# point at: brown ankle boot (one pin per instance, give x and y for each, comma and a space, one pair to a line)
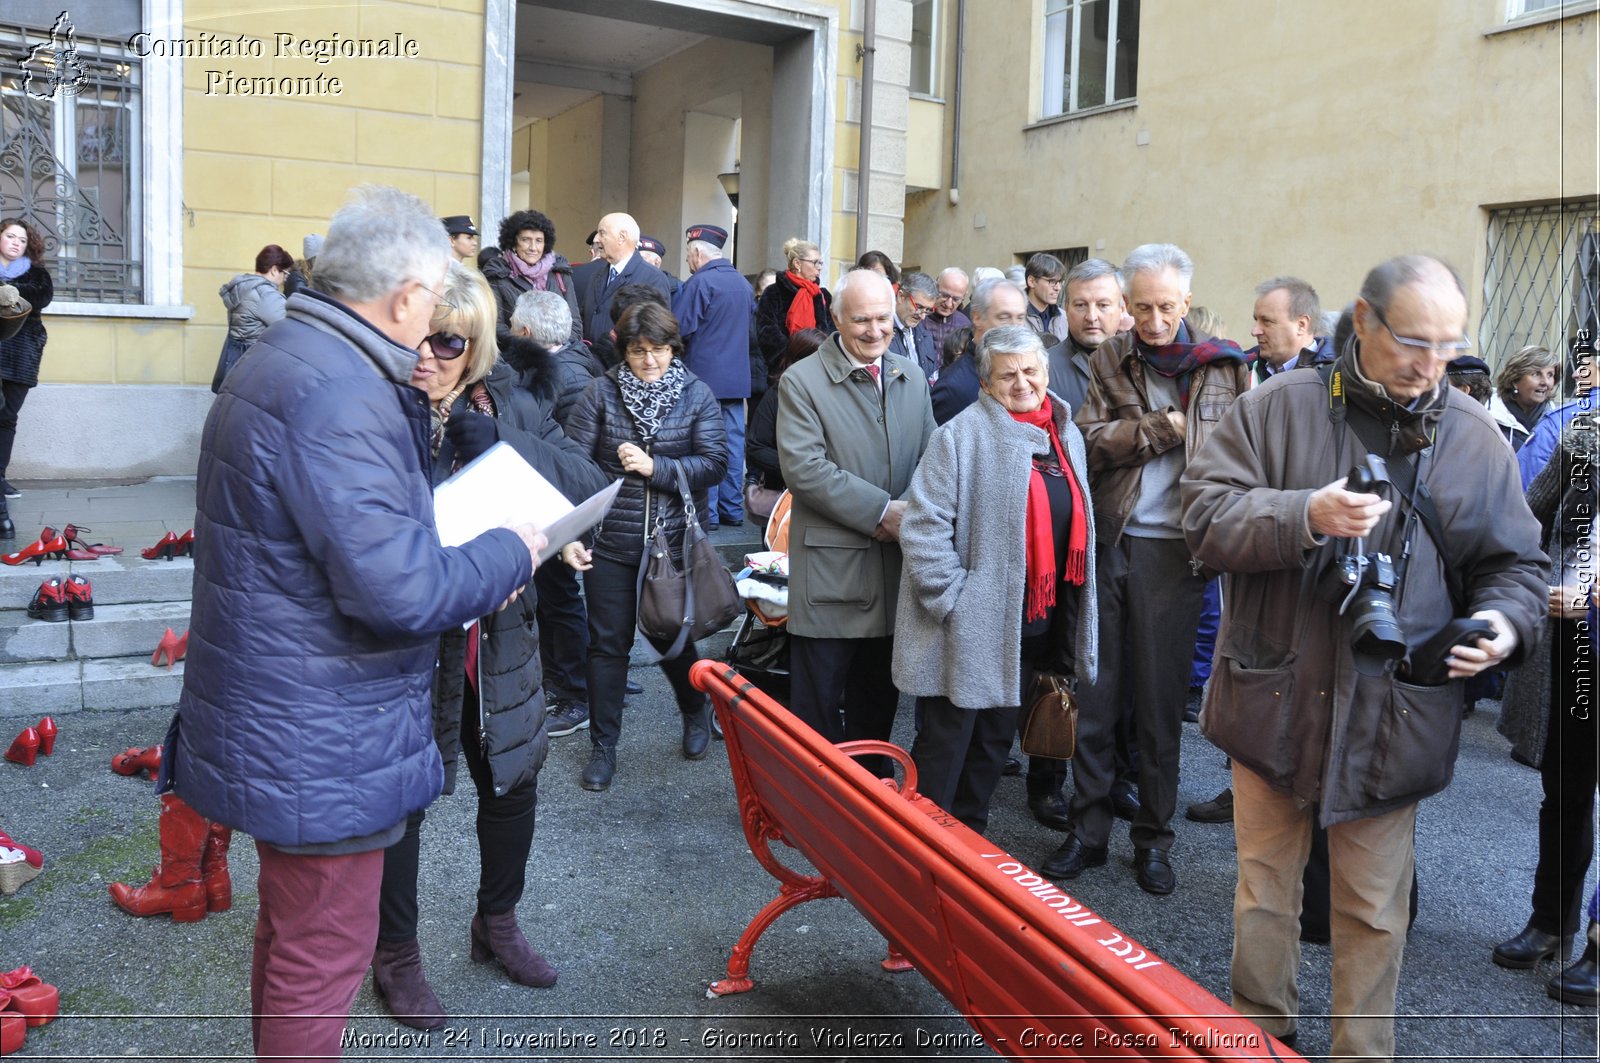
214, 869
498, 937
175, 886
397, 975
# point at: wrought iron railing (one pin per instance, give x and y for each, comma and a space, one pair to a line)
71, 157
1541, 281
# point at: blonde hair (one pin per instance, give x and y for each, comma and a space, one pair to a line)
468, 309
795, 249
1210, 323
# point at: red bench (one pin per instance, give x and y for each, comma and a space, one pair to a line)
1034, 971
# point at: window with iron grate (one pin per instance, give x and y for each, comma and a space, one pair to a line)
1541, 281
71, 146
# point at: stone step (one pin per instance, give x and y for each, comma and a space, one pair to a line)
115, 631
126, 630
116, 580
62, 687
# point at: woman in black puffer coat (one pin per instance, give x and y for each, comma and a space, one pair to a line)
643, 421
488, 699
21, 248
526, 261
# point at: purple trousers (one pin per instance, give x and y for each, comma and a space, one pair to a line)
315, 932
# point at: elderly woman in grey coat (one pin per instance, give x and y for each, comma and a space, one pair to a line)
998, 579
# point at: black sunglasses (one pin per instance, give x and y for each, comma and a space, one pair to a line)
447, 347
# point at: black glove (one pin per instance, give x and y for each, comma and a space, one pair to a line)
471, 433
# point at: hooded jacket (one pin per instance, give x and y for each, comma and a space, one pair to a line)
1285, 698
253, 303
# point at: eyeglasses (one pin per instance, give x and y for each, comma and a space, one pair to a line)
436, 295
1450, 348
946, 297
447, 347
639, 353
808, 261
918, 310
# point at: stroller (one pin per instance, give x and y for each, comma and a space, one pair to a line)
760, 646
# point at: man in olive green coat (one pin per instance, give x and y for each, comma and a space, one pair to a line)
852, 424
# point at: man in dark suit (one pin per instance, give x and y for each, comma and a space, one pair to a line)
912, 304
1094, 314
617, 237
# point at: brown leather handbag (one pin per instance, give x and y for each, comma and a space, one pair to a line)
683, 602
1050, 728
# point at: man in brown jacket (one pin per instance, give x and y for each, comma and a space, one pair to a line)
1154, 395
1309, 718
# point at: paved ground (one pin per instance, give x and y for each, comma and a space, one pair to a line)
637, 894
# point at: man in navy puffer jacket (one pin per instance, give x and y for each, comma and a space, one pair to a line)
320, 590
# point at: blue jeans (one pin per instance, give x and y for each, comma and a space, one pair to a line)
726, 499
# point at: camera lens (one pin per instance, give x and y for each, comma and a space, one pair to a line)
1375, 633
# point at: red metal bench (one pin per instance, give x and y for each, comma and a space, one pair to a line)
1034, 971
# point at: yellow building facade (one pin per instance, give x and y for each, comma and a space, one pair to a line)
1264, 136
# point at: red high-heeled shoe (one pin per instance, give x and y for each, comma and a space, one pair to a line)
172, 647
24, 748
13, 1028
35, 999
49, 544
74, 534
13, 873
47, 735
184, 547
163, 547
134, 760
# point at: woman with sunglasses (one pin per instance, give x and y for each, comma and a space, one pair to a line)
644, 421
793, 302
488, 703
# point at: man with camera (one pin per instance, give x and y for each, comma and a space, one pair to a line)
1352, 610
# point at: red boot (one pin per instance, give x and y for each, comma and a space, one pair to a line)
175, 887
214, 869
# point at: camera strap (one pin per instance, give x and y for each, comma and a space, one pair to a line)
1406, 475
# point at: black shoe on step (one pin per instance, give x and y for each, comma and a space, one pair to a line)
696, 732
1580, 983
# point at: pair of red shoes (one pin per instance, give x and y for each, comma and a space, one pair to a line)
16, 870
170, 546
134, 760
63, 545
60, 599
27, 746
24, 1001
172, 647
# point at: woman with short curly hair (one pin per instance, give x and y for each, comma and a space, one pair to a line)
526, 261
1522, 392
21, 250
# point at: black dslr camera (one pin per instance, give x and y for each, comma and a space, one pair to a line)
1363, 585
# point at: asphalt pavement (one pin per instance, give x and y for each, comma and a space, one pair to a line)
637, 894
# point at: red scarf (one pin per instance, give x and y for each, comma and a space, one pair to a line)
803, 311
1041, 553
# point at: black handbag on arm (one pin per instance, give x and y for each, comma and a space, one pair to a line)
688, 600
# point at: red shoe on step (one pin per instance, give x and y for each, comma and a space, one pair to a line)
49, 544
166, 546
172, 647
74, 535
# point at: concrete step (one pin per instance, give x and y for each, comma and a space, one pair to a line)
26, 640
130, 683
126, 630
116, 580
62, 687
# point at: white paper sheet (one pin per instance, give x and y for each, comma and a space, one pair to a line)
501, 488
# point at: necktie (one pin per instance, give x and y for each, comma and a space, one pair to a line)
873, 369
